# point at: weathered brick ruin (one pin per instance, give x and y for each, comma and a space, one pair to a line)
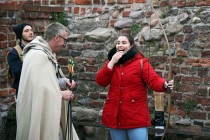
94, 26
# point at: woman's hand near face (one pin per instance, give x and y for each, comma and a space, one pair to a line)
115, 59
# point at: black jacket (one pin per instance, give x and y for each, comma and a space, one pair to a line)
15, 66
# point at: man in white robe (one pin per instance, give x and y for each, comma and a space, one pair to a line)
41, 104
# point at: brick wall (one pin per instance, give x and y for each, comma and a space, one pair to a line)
39, 14
36, 13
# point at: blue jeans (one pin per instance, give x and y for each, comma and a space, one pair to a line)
129, 134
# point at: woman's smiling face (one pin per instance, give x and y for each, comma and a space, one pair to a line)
123, 44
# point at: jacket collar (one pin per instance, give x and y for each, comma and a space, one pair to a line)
127, 56
22, 45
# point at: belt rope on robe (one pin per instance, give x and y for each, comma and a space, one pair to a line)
69, 115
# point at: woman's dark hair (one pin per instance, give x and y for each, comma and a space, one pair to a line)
131, 41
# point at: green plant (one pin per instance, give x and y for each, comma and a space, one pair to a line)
151, 48
176, 86
152, 112
12, 111
135, 28
189, 105
155, 64
180, 60
60, 17
163, 15
151, 43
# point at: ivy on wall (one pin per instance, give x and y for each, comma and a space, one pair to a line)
60, 17
189, 105
135, 28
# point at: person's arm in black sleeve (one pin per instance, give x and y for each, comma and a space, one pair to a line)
15, 63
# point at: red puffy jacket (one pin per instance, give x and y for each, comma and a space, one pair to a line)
126, 103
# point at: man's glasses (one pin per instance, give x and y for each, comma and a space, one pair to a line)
65, 40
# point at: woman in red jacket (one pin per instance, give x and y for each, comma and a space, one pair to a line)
126, 111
